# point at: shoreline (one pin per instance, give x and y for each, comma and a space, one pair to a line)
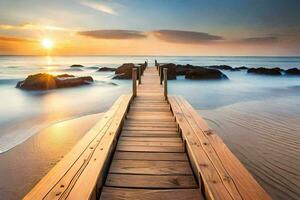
38, 154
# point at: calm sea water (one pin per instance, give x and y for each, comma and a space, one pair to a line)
258, 117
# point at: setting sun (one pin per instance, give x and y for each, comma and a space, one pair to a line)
47, 43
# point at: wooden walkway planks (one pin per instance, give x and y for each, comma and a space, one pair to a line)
150, 161
156, 149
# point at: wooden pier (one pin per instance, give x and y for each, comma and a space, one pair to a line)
149, 145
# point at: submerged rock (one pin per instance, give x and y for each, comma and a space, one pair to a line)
106, 69
43, 81
76, 65
292, 71
265, 71
201, 73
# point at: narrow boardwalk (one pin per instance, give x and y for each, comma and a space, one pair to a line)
150, 161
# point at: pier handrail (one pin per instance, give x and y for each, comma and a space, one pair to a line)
80, 174
220, 174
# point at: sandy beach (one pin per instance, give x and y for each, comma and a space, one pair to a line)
28, 162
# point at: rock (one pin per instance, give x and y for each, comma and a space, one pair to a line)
221, 67
76, 65
182, 69
124, 71
241, 68
171, 70
73, 81
106, 69
292, 71
265, 71
201, 73
65, 76
43, 81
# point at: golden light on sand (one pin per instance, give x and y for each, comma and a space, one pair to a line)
47, 43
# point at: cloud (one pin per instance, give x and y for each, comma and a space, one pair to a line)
15, 39
259, 40
31, 26
114, 34
190, 37
100, 6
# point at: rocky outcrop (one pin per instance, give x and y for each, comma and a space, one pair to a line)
171, 73
43, 81
76, 66
221, 67
182, 69
124, 71
265, 71
241, 68
201, 73
106, 69
293, 71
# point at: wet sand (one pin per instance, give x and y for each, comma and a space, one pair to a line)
23, 166
266, 139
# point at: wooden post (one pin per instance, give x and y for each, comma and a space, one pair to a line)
140, 74
134, 74
166, 83
161, 71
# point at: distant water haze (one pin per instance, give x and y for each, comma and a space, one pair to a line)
257, 116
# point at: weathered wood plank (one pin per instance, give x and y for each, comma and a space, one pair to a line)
119, 155
151, 143
150, 148
110, 193
151, 167
151, 139
151, 181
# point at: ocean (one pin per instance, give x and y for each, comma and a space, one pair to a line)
258, 117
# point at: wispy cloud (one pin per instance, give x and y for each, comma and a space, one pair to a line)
189, 37
15, 39
32, 26
114, 34
99, 6
259, 40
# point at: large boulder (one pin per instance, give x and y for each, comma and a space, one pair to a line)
106, 69
182, 69
171, 73
265, 71
292, 71
125, 71
76, 66
43, 81
201, 73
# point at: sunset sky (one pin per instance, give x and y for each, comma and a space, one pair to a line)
149, 27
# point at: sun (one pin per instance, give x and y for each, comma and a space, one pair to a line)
47, 43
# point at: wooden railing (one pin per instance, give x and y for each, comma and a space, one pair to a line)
80, 174
220, 174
